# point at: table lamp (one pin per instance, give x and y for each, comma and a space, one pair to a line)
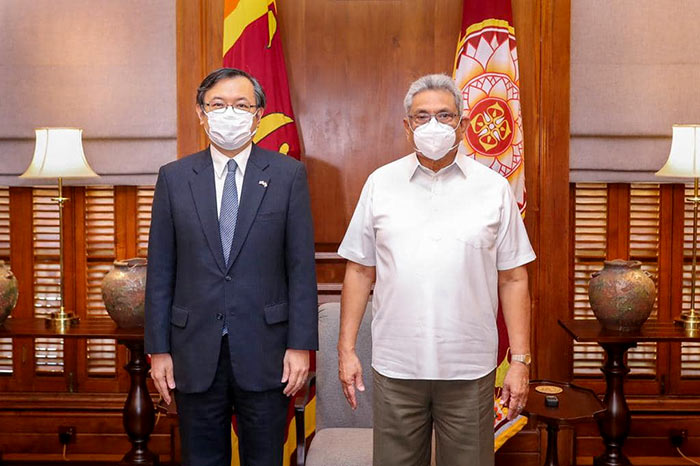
59, 154
684, 162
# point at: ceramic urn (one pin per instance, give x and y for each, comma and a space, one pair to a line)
622, 295
124, 292
9, 292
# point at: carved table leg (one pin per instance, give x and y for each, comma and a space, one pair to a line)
552, 458
139, 413
614, 424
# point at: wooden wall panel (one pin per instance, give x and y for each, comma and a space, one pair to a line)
350, 64
190, 71
526, 18
551, 209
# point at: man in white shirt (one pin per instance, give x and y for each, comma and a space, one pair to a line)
442, 239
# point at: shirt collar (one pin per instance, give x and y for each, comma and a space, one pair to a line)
460, 161
220, 160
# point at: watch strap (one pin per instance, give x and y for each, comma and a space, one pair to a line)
522, 358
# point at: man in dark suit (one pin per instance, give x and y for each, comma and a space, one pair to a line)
231, 304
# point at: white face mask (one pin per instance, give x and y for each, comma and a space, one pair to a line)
230, 130
434, 139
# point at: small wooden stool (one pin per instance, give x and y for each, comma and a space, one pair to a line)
576, 404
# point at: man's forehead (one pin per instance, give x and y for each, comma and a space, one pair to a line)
432, 99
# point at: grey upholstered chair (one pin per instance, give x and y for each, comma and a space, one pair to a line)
343, 436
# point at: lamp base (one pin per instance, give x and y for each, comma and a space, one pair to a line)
61, 320
690, 321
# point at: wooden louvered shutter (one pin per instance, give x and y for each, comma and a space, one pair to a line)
590, 244
144, 199
48, 352
5, 343
644, 247
690, 351
100, 223
100, 254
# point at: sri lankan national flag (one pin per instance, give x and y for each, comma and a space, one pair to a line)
486, 70
252, 44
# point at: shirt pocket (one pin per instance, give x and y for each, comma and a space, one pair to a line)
479, 233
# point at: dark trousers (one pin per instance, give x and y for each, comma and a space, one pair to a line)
205, 421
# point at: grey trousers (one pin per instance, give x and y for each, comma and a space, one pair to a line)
407, 411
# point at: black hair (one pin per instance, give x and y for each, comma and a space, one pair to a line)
227, 73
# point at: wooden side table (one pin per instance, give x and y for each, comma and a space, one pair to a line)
139, 413
614, 424
576, 404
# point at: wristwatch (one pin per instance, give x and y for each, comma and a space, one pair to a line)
522, 358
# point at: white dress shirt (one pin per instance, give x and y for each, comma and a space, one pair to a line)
437, 241
221, 170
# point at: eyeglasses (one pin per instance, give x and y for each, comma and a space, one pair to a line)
442, 117
220, 107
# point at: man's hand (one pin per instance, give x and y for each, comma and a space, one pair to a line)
296, 370
515, 389
162, 374
350, 375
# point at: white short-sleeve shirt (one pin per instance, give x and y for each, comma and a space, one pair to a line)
438, 241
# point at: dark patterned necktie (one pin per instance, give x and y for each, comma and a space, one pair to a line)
229, 210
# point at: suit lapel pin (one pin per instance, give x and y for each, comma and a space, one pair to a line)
263, 183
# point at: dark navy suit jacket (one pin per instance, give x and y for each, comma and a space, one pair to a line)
267, 293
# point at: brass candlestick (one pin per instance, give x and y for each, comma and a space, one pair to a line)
61, 320
691, 319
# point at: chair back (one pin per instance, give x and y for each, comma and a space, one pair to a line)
332, 409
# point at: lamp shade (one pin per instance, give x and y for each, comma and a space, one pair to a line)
684, 159
59, 154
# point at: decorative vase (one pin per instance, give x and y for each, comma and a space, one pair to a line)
124, 292
9, 292
622, 295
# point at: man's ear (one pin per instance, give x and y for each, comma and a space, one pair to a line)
256, 119
407, 128
463, 125
200, 113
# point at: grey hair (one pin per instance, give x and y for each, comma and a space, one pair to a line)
437, 82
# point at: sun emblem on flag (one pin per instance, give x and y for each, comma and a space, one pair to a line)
490, 129
487, 74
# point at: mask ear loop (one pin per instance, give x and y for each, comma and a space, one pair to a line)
455, 131
415, 149
252, 133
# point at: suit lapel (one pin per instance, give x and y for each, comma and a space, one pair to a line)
204, 195
252, 194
